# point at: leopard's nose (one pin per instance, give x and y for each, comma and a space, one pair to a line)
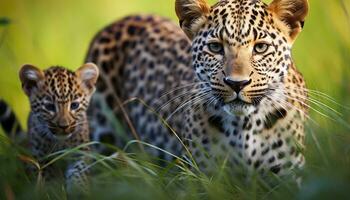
237, 86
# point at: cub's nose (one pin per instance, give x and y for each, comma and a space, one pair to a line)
63, 127
237, 86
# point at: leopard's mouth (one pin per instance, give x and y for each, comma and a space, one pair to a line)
239, 107
239, 102
62, 137
62, 134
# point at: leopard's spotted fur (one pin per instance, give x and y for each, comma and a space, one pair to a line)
240, 99
135, 62
59, 99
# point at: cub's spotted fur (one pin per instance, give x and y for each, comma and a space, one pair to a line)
59, 99
232, 93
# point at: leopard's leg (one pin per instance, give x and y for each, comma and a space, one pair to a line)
77, 176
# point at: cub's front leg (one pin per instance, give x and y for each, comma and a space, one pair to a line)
77, 176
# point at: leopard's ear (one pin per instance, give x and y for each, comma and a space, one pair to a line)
88, 75
292, 13
31, 78
191, 14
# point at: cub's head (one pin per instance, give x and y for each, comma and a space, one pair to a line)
242, 48
58, 96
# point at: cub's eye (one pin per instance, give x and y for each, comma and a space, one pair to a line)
74, 105
261, 48
216, 48
50, 107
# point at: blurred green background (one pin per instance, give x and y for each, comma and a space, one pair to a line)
48, 32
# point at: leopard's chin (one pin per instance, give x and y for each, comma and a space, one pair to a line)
239, 108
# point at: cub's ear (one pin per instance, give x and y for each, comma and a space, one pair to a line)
191, 14
31, 78
292, 13
88, 74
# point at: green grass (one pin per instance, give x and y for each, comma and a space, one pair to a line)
47, 33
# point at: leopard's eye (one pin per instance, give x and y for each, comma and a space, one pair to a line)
216, 47
50, 107
74, 105
261, 48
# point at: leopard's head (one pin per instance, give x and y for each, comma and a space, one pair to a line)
241, 49
59, 97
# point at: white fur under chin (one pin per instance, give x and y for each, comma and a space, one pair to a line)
238, 110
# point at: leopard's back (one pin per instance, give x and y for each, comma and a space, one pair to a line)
145, 57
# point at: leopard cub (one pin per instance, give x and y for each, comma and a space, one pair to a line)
59, 99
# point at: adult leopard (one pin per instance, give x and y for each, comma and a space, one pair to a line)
234, 94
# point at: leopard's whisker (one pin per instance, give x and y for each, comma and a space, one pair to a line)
308, 106
288, 105
199, 98
187, 96
195, 84
321, 105
194, 91
213, 100
318, 94
196, 105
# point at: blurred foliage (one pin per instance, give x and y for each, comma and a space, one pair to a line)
4, 21
47, 32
